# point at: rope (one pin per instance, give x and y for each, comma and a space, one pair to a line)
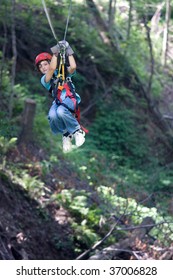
62, 53
49, 20
67, 22
50, 23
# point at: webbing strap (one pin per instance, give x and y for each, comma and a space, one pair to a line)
61, 69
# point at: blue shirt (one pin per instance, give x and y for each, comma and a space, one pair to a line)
63, 93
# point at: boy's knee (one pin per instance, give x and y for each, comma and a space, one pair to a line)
52, 116
60, 111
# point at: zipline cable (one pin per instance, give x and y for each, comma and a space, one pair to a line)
67, 22
50, 23
49, 20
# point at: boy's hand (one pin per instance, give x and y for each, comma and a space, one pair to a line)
62, 45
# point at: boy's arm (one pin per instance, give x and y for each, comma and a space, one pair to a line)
72, 67
52, 68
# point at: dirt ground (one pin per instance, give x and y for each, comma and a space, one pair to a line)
26, 230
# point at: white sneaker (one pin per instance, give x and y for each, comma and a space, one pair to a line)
79, 137
66, 143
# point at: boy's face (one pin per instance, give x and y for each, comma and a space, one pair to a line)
43, 66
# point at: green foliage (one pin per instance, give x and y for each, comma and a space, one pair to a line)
160, 180
5, 89
115, 130
117, 161
5, 127
148, 6
87, 216
32, 184
137, 212
6, 145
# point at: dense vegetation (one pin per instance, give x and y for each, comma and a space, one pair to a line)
123, 173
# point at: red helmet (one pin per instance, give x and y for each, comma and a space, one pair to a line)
42, 56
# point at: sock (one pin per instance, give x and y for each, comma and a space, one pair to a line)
66, 134
76, 131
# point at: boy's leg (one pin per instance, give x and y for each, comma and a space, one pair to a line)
70, 122
72, 126
56, 124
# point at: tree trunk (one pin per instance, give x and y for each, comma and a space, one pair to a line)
26, 134
166, 33
155, 30
14, 58
103, 28
111, 14
130, 19
3, 57
152, 62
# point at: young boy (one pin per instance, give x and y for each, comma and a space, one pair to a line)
60, 116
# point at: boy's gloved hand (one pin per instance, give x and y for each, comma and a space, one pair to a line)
55, 49
60, 46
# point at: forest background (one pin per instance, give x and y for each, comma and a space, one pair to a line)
113, 197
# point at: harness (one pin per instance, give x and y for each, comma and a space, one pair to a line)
57, 86
59, 83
